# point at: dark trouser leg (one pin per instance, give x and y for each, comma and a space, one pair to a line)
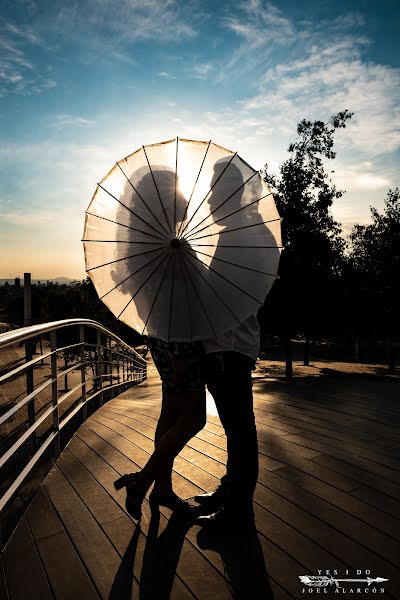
232, 392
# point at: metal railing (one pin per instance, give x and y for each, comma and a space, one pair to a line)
79, 365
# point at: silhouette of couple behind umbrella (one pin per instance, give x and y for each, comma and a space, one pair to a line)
193, 257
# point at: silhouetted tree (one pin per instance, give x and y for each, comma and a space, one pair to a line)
312, 259
375, 263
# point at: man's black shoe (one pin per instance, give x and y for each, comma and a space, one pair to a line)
227, 520
213, 501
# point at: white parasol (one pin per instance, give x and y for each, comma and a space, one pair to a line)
182, 240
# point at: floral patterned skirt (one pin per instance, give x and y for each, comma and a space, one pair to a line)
180, 364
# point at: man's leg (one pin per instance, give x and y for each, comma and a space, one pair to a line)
231, 386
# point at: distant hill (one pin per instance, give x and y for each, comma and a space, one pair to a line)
54, 280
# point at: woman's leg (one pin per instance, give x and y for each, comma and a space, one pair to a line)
168, 418
190, 408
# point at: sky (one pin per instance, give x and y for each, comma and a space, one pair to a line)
85, 83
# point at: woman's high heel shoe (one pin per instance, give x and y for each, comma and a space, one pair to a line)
170, 500
134, 497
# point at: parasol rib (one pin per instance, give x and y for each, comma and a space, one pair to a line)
187, 298
129, 276
125, 258
158, 193
216, 293
208, 193
130, 210
197, 178
158, 291
127, 226
234, 229
193, 230
144, 283
126, 242
171, 298
142, 199
198, 296
176, 179
226, 279
234, 212
228, 262
230, 246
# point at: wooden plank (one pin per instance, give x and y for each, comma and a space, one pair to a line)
62, 564
68, 577
141, 435
244, 563
345, 453
339, 533
102, 506
128, 539
96, 551
304, 426
282, 567
139, 457
211, 558
364, 404
42, 517
305, 551
131, 544
96, 499
386, 526
359, 474
23, 568
381, 501
3, 583
196, 572
122, 464
309, 526
150, 417
319, 472
273, 449
327, 411
278, 440
291, 414
183, 467
189, 453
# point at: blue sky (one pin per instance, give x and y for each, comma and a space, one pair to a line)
83, 84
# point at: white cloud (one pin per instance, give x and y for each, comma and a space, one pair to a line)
28, 218
18, 73
324, 73
165, 75
261, 28
360, 178
123, 57
71, 120
126, 19
201, 71
25, 33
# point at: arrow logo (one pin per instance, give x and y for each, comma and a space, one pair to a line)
324, 580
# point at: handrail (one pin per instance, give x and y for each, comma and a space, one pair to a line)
115, 366
24, 333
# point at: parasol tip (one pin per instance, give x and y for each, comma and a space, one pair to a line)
175, 243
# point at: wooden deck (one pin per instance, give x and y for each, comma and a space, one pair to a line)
327, 498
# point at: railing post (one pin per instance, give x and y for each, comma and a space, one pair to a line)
29, 382
54, 391
124, 372
66, 374
110, 358
118, 363
99, 369
83, 370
